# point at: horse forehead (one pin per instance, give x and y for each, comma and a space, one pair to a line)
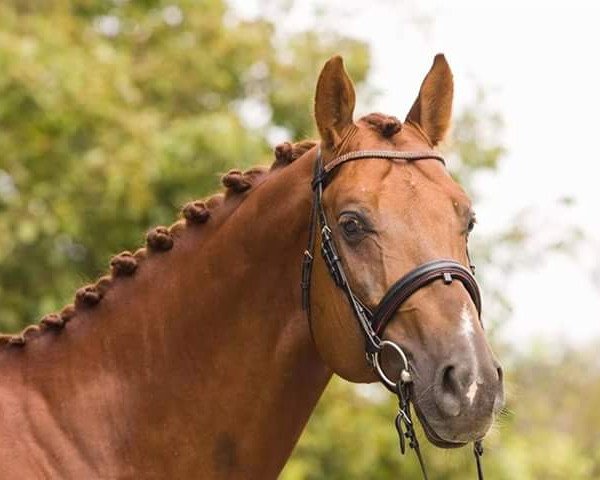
360, 181
400, 178
376, 180
433, 184
382, 182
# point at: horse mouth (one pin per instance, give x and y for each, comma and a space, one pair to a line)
433, 436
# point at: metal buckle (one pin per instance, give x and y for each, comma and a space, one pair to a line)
330, 256
400, 419
405, 375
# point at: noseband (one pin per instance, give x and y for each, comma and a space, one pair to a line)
372, 322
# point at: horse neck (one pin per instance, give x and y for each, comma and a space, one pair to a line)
200, 364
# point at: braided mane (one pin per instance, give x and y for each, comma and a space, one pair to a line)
159, 240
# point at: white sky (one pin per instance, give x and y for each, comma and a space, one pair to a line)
540, 62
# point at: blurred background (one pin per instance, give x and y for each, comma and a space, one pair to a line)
113, 113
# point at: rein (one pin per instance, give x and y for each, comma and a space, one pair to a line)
372, 323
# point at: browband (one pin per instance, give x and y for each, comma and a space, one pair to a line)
385, 154
388, 154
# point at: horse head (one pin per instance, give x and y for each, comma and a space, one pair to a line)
387, 217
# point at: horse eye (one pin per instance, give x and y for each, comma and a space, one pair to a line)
351, 227
471, 225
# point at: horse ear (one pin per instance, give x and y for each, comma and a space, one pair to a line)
433, 107
334, 102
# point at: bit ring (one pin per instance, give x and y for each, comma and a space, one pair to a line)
405, 376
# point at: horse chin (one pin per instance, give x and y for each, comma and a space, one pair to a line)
433, 437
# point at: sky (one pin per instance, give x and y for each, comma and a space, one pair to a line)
538, 62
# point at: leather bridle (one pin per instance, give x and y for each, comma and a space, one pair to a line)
372, 322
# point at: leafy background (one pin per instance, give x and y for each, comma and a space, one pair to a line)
115, 113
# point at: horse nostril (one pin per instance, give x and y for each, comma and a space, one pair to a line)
448, 396
449, 381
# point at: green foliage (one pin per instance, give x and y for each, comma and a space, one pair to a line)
476, 139
114, 114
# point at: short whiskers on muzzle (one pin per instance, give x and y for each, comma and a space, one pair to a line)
502, 419
423, 394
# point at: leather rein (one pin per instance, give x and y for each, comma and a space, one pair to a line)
372, 322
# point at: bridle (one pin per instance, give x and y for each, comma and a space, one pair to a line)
372, 322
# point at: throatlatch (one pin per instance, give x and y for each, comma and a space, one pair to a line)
372, 323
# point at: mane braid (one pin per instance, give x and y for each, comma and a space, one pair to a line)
159, 240
286, 153
386, 125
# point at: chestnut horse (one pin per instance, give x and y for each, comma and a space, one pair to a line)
194, 357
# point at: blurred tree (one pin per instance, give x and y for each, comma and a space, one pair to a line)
113, 114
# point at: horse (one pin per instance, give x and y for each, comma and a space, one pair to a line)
194, 358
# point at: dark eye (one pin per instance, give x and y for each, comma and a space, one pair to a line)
471, 224
352, 227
